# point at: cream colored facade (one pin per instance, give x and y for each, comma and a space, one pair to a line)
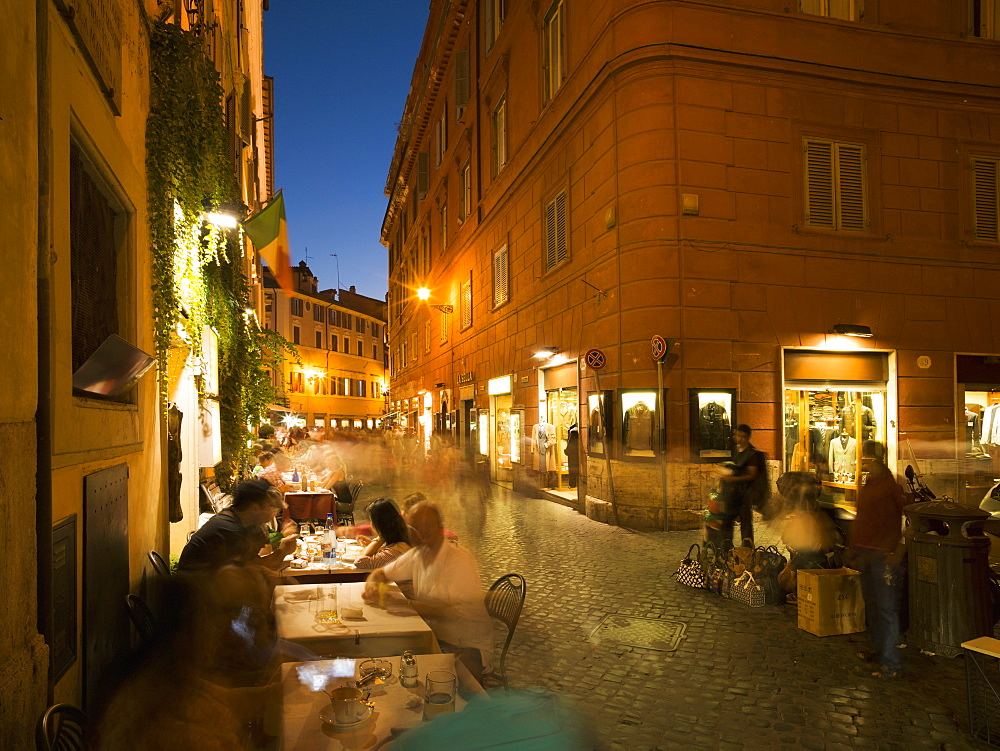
76, 101
341, 381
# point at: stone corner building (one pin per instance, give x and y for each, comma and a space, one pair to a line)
759, 181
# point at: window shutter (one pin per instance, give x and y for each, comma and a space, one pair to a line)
487, 7
466, 304
555, 232
500, 283
851, 203
819, 184
461, 80
246, 112
422, 174
984, 199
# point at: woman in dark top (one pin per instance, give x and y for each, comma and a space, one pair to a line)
392, 536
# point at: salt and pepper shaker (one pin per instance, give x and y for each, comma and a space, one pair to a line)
407, 670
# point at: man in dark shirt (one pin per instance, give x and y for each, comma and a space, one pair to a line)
236, 534
749, 474
877, 544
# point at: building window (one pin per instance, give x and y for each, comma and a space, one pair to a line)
345, 320
845, 10
375, 329
363, 388
374, 351
441, 136
461, 82
318, 313
319, 340
552, 50
983, 17
295, 335
427, 337
361, 348
494, 13
359, 325
95, 232
333, 342
501, 291
296, 306
985, 198
445, 325
376, 390
465, 190
498, 135
403, 360
295, 382
413, 347
465, 303
444, 226
836, 194
334, 319
556, 249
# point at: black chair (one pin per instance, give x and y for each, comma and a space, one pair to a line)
504, 602
347, 496
62, 727
142, 619
159, 565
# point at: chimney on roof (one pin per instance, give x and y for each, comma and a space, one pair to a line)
353, 290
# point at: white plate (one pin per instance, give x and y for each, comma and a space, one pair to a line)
326, 715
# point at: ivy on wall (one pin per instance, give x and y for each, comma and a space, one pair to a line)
197, 268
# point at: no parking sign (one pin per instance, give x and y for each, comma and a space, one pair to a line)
596, 359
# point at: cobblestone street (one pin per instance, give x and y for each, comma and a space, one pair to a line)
740, 678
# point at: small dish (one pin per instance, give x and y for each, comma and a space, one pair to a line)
326, 715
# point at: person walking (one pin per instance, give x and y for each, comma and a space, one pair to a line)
877, 546
746, 485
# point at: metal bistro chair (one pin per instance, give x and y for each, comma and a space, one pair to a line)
142, 619
160, 566
345, 510
63, 727
504, 602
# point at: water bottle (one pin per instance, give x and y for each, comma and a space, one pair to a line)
330, 541
295, 474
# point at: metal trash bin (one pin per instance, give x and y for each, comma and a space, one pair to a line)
951, 597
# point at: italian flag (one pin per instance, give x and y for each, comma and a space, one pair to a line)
268, 231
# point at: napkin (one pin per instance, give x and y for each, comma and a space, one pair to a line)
352, 614
301, 595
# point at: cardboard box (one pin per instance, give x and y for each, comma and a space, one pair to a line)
830, 601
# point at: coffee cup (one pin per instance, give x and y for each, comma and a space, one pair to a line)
348, 706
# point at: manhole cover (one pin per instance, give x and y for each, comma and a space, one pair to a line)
646, 633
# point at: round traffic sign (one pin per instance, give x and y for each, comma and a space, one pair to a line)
659, 347
595, 359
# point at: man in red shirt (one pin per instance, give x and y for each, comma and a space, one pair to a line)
877, 543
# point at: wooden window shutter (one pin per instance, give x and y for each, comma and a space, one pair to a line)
423, 168
466, 303
555, 232
487, 7
818, 164
500, 279
246, 112
852, 211
461, 80
985, 199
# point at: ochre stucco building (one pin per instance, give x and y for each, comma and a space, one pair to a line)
748, 180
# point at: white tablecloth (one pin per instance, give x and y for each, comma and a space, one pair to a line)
301, 727
380, 634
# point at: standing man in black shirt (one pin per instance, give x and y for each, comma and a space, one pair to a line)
236, 534
749, 479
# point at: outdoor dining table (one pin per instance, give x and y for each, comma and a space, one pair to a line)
378, 634
319, 572
311, 504
299, 725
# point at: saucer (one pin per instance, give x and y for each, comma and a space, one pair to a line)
326, 715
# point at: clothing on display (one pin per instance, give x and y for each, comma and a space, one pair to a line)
573, 454
973, 429
991, 425
595, 432
638, 428
543, 436
714, 427
843, 455
848, 420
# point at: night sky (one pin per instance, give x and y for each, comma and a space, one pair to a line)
341, 75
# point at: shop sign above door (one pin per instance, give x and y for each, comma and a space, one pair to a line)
466, 377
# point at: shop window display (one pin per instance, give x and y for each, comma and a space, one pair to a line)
598, 426
638, 424
713, 415
824, 431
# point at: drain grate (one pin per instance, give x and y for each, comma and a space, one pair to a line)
645, 633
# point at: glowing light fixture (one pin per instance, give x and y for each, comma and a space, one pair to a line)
547, 353
221, 219
852, 329
423, 293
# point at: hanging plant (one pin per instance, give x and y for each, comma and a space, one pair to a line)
197, 275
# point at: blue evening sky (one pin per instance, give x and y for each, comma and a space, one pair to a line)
341, 75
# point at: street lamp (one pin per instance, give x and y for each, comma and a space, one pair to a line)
423, 293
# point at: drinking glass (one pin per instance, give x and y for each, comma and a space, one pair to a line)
439, 696
324, 606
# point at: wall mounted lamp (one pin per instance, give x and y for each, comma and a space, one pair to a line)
852, 329
423, 293
547, 353
224, 215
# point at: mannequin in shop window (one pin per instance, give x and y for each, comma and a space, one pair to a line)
848, 420
843, 453
543, 436
573, 453
973, 429
595, 432
714, 424
638, 428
